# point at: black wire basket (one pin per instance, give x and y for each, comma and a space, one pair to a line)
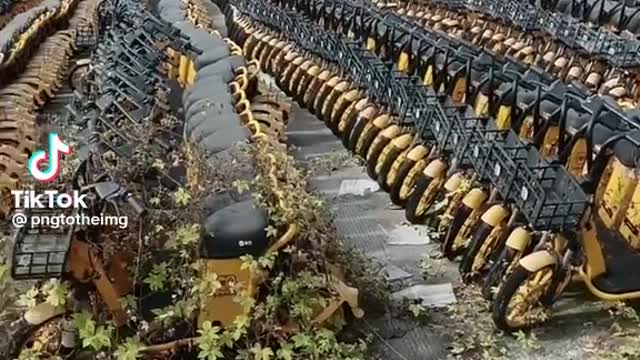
549, 198
38, 252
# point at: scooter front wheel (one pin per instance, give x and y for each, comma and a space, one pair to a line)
389, 166
519, 304
422, 198
463, 223
503, 266
17, 334
396, 184
483, 244
376, 150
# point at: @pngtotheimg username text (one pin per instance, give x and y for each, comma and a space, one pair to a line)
55, 221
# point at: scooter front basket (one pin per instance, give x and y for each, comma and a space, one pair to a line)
549, 198
39, 250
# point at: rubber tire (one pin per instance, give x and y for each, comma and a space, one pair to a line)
479, 237
331, 101
386, 167
422, 183
374, 155
323, 95
367, 139
296, 76
304, 83
503, 298
351, 138
334, 123
497, 272
285, 80
312, 91
13, 334
346, 132
460, 216
396, 187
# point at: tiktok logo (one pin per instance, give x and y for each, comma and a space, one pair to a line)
56, 149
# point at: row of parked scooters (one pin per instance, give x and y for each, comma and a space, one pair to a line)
536, 170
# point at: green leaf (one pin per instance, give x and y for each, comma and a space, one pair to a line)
130, 350
30, 298
188, 234
242, 186
302, 341
129, 302
260, 353
28, 354
56, 292
210, 343
417, 310
181, 197
158, 277
285, 352
272, 232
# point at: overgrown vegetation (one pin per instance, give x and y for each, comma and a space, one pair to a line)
163, 311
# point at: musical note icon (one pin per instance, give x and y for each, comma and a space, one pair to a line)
56, 148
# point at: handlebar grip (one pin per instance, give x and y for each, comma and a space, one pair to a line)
136, 205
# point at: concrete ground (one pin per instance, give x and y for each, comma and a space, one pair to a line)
364, 217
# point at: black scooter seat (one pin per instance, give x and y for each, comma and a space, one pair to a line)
234, 231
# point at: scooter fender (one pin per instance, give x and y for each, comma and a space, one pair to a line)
454, 182
519, 239
475, 198
494, 215
42, 313
391, 132
417, 153
382, 121
402, 141
435, 169
538, 260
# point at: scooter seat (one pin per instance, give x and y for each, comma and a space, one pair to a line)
234, 231
627, 152
548, 107
622, 262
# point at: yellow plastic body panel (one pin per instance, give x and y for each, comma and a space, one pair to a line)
403, 62
428, 77
481, 107
630, 227
221, 308
618, 190
503, 119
